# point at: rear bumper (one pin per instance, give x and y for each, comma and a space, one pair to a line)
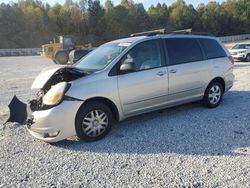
55, 124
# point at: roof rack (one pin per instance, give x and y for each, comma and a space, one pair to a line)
184, 32
149, 33
165, 31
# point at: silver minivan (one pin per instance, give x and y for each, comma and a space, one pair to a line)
127, 77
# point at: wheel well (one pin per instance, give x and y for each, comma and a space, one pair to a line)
221, 81
107, 102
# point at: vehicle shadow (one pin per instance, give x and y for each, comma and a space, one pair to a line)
188, 129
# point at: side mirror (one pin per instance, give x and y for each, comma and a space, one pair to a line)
127, 68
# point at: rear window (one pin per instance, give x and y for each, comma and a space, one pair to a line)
212, 48
183, 50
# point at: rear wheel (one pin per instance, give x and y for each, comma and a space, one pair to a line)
213, 94
93, 121
248, 58
61, 57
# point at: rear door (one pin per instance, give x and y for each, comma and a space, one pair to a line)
146, 87
188, 72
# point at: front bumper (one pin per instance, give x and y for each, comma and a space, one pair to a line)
59, 119
239, 56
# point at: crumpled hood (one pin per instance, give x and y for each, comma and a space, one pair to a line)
56, 74
45, 75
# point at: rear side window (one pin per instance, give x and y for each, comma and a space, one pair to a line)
183, 50
212, 48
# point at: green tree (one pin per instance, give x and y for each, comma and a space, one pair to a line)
183, 16
159, 16
216, 19
109, 5
127, 3
31, 23
96, 22
11, 26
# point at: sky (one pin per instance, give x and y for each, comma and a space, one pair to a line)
146, 3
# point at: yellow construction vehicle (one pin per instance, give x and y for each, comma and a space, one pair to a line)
59, 50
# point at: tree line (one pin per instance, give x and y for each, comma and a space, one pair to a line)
31, 23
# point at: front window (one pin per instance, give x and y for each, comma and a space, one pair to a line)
144, 56
241, 46
102, 56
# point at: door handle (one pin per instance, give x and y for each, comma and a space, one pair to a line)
173, 71
161, 73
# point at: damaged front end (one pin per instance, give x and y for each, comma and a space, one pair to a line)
52, 83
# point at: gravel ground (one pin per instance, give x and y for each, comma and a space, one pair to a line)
185, 146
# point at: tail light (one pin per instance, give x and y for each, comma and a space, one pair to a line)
231, 59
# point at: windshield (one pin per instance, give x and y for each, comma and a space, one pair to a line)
102, 56
241, 46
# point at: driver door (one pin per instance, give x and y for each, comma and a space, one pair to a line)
146, 87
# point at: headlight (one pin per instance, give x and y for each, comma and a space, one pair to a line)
242, 52
55, 94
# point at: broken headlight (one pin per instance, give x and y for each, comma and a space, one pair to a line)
55, 94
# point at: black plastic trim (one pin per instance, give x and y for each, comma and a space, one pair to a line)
68, 98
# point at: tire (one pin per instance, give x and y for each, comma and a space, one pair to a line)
248, 58
61, 57
93, 121
213, 95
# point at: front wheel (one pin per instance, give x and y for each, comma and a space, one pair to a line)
213, 95
93, 121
